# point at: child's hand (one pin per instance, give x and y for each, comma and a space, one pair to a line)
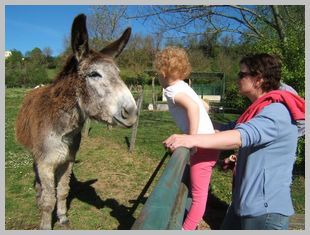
193, 151
229, 162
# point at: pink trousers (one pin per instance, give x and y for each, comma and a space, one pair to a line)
201, 164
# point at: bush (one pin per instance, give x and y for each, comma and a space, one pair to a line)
13, 77
233, 100
27, 71
138, 79
299, 168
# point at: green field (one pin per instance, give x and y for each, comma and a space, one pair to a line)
107, 179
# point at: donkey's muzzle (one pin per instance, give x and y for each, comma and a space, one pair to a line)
128, 116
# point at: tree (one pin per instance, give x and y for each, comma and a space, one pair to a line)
26, 71
47, 52
264, 28
105, 23
14, 69
199, 19
139, 54
36, 56
289, 44
50, 60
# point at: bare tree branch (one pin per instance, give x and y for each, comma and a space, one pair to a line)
105, 22
230, 18
279, 23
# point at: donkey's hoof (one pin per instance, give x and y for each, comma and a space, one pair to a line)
45, 227
65, 224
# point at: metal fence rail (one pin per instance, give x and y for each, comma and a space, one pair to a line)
165, 207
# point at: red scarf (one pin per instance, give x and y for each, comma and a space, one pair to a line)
294, 103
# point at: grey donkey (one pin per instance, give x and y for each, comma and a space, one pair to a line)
51, 117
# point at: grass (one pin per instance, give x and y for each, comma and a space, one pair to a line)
107, 179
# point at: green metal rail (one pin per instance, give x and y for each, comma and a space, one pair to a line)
165, 207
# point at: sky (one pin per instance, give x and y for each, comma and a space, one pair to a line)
47, 26
27, 27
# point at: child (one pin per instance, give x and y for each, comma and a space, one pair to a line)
190, 115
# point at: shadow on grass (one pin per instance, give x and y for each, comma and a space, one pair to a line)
215, 211
85, 192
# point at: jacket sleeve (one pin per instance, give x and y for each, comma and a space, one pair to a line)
264, 127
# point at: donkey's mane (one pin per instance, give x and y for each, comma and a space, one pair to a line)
70, 67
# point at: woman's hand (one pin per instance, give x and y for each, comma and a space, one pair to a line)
175, 141
223, 140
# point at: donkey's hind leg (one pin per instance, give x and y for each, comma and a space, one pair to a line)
63, 178
48, 199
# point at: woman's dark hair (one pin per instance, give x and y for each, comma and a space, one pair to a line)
268, 66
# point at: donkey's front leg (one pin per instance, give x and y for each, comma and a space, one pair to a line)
37, 185
48, 199
63, 174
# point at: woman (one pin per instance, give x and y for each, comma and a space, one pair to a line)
266, 136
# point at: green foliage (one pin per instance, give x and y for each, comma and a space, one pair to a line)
233, 99
36, 56
139, 54
13, 76
198, 60
35, 75
300, 157
132, 79
13, 69
291, 49
30, 70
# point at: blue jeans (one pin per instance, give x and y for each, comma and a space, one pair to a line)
271, 221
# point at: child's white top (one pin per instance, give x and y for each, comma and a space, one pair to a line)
180, 115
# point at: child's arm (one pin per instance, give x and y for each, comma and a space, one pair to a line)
207, 106
192, 110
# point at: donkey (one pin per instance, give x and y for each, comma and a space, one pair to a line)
51, 117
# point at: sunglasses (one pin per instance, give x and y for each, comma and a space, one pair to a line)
244, 74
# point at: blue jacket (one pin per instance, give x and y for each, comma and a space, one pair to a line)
265, 163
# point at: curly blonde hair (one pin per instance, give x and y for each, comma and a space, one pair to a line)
173, 60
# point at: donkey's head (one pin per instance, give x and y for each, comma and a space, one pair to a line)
104, 97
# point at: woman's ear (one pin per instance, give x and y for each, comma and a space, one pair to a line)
258, 81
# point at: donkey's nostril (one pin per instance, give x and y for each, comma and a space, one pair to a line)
125, 113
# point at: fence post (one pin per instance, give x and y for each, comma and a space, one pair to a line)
165, 207
135, 126
154, 95
86, 128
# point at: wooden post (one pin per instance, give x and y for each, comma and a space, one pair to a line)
154, 96
86, 128
135, 126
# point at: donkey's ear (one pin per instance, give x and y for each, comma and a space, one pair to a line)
115, 48
79, 37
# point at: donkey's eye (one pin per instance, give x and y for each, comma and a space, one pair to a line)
94, 74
